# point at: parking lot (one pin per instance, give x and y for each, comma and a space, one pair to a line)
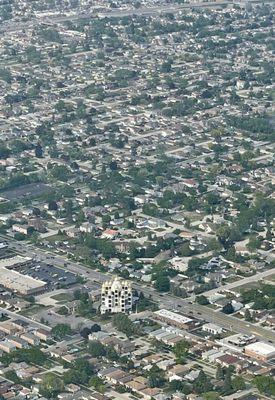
54, 276
29, 190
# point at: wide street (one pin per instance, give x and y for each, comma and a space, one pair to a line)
115, 13
185, 306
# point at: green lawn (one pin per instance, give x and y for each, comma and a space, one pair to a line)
213, 306
63, 297
32, 310
250, 285
57, 238
270, 278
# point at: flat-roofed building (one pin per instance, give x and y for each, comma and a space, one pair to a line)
7, 346
175, 319
20, 324
42, 334
212, 328
20, 283
13, 262
30, 338
18, 342
261, 351
8, 328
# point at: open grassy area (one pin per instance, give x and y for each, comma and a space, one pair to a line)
250, 285
32, 310
270, 278
213, 306
231, 279
56, 238
63, 297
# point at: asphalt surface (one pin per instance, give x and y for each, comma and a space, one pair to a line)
115, 13
186, 306
30, 321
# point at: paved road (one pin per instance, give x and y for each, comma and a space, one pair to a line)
14, 315
254, 278
147, 11
202, 312
20, 25
166, 301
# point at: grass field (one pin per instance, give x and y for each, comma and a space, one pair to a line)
57, 238
32, 310
63, 297
251, 285
270, 278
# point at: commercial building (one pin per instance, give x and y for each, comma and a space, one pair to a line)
15, 261
116, 296
212, 328
20, 283
174, 319
261, 351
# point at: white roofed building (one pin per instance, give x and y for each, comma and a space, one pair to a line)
261, 351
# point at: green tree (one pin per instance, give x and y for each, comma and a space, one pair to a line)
202, 383
123, 323
60, 331
219, 373
180, 350
80, 372
5, 75
214, 245
238, 383
4, 152
227, 235
185, 250
254, 243
248, 316
12, 376
96, 349
32, 355
202, 300
156, 377
51, 386
63, 310
98, 384
111, 353
227, 384
228, 308
60, 172
265, 384
107, 249
80, 217
162, 282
